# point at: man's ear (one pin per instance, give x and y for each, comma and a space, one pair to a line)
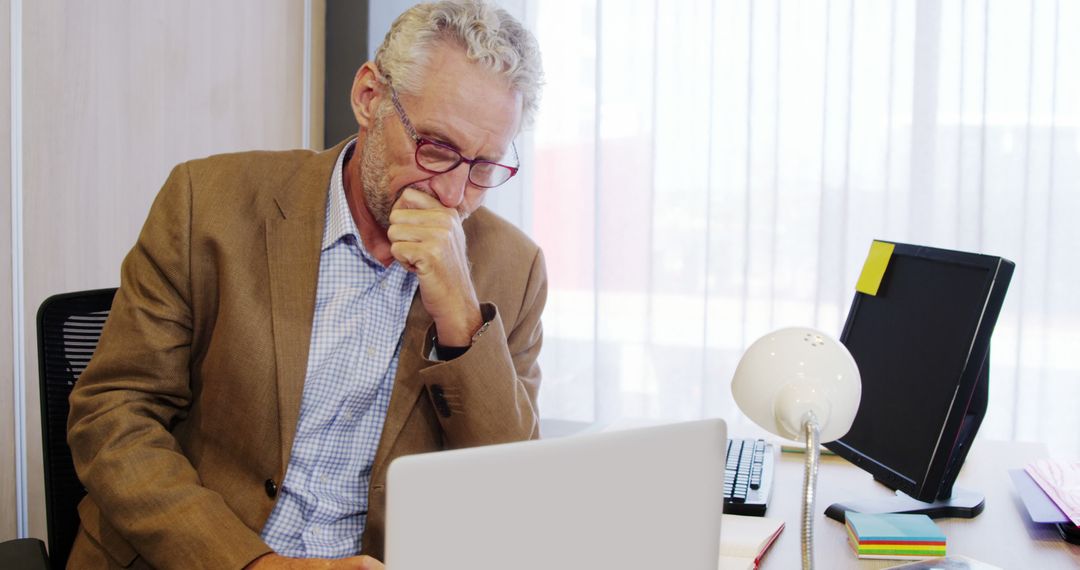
367, 93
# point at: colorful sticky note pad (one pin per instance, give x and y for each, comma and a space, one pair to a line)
894, 536
874, 268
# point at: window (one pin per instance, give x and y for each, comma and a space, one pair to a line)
703, 172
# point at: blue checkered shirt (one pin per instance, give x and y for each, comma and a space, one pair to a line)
360, 312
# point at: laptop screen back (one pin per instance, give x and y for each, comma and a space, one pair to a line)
638, 499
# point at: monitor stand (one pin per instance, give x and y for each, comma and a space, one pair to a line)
963, 503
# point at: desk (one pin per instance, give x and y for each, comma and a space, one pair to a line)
1002, 535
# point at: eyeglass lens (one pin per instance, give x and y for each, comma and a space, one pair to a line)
439, 158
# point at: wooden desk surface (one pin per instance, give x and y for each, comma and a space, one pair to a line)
1001, 535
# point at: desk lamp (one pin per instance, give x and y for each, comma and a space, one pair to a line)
800, 383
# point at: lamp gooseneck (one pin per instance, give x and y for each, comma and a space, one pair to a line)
810, 428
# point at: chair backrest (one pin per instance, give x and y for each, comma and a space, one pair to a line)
69, 326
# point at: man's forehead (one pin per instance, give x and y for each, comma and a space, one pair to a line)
449, 76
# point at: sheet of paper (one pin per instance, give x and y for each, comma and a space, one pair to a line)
744, 540
736, 563
948, 563
1061, 481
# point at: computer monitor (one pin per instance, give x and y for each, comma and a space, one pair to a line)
922, 346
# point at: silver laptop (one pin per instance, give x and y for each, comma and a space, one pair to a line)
637, 499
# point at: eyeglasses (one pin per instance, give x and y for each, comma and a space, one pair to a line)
437, 158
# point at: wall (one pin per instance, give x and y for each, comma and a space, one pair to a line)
115, 94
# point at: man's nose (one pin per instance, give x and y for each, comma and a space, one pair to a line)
450, 186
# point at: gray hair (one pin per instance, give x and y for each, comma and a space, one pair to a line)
490, 36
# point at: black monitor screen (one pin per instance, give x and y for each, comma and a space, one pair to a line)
920, 344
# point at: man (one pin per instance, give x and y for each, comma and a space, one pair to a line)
290, 322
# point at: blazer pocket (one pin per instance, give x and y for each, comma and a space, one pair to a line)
104, 534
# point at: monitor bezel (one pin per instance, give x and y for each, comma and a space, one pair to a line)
944, 465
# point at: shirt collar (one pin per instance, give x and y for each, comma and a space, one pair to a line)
339, 220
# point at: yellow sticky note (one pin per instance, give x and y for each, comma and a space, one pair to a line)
874, 268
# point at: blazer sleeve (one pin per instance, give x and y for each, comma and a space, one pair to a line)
137, 387
488, 394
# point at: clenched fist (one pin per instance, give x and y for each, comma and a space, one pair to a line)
426, 237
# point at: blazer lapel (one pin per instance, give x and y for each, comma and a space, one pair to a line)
293, 248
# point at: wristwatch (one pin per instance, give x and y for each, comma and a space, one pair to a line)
479, 331
445, 353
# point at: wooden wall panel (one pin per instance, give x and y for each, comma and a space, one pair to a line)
7, 409
117, 93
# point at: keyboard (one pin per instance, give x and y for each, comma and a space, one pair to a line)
748, 478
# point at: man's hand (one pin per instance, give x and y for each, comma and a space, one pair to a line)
426, 237
272, 561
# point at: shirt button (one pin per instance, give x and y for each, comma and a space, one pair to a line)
371, 351
384, 284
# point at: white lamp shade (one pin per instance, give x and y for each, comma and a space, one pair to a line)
790, 372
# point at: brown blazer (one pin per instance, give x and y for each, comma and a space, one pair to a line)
182, 425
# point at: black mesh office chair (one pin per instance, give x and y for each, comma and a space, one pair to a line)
69, 326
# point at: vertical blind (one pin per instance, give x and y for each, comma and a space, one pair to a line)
702, 172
